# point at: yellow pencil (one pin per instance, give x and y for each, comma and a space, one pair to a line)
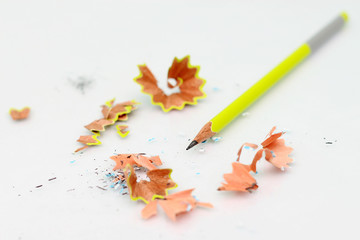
252, 94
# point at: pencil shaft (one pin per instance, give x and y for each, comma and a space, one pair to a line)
270, 79
259, 88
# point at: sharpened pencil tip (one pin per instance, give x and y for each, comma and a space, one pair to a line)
193, 143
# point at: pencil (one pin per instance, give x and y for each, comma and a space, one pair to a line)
216, 124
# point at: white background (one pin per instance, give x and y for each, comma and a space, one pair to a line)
44, 43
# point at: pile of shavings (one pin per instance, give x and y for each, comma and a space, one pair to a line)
153, 189
275, 152
111, 114
181, 74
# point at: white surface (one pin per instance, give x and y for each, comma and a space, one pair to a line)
43, 43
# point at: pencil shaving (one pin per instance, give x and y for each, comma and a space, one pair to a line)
186, 78
274, 150
89, 140
173, 205
239, 180
111, 113
277, 154
81, 148
160, 182
122, 130
19, 114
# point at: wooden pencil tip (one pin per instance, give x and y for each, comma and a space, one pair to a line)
193, 143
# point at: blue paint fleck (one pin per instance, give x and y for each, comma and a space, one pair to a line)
246, 147
197, 173
72, 161
151, 139
188, 208
272, 153
216, 139
216, 89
